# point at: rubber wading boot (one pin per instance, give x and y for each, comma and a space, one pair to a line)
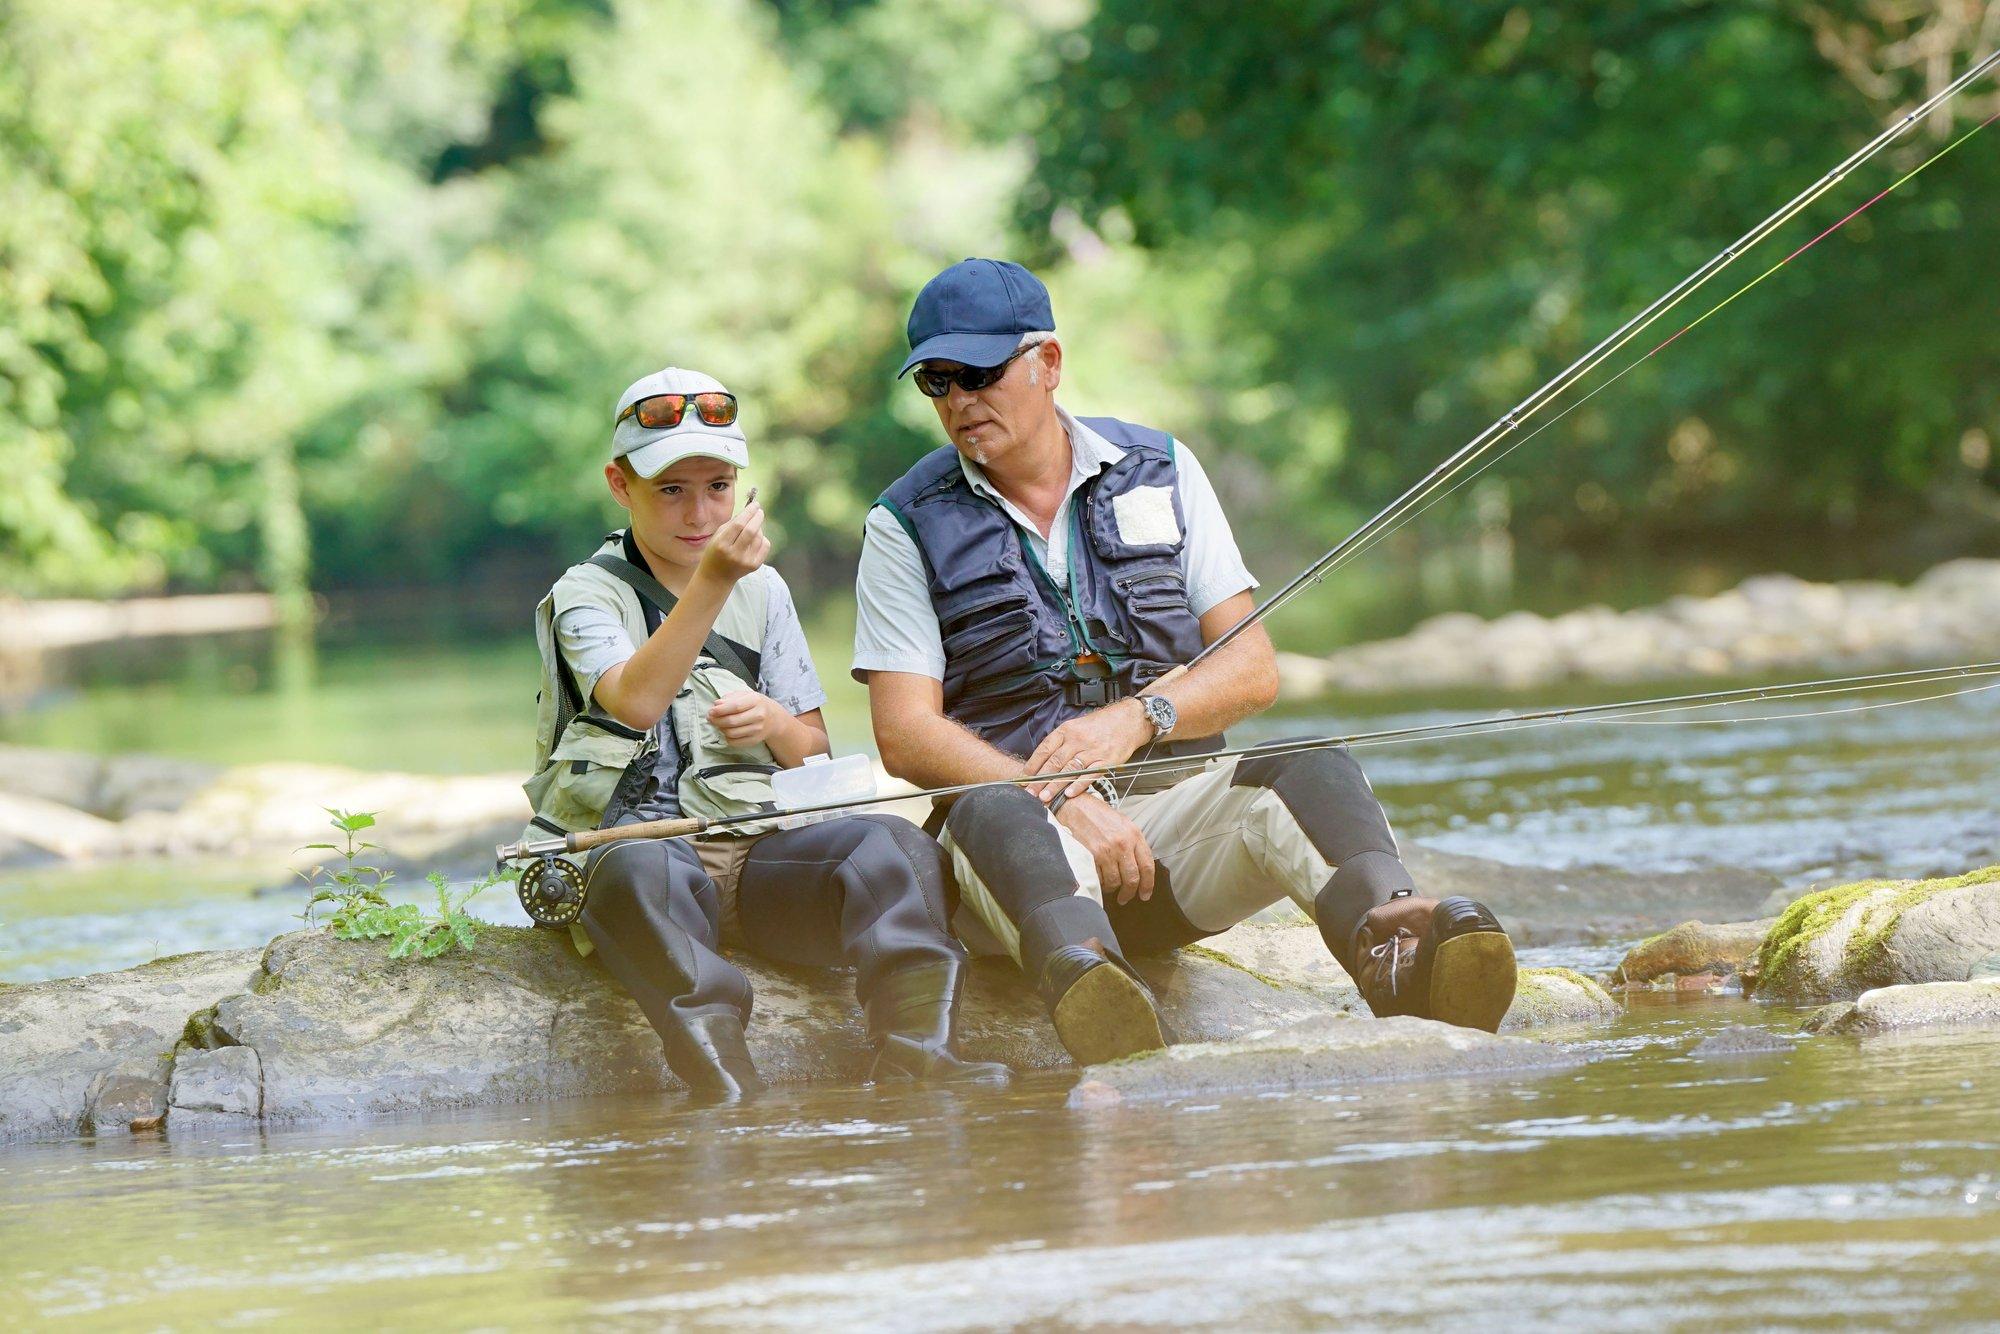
910, 1016
708, 1052
1444, 959
1102, 1010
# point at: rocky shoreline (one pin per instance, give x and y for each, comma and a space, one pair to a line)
1767, 625
311, 1028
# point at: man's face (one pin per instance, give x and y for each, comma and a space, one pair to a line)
986, 425
676, 513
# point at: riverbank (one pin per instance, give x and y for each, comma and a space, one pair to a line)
311, 1028
1768, 625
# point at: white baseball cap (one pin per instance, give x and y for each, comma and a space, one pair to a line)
650, 452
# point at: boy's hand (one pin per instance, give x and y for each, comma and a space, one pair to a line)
738, 547
745, 717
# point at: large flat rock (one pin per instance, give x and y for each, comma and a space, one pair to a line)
339, 1029
314, 1028
80, 1054
1325, 1050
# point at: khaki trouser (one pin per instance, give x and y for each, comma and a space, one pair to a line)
1228, 841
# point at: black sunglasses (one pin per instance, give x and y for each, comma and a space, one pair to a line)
663, 412
972, 379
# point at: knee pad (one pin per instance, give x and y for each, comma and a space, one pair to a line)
1005, 832
1325, 791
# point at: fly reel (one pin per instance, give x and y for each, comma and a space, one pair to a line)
551, 891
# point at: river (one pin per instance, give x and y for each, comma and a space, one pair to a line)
1828, 1182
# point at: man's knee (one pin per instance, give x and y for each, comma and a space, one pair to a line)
993, 814
1013, 847
1327, 796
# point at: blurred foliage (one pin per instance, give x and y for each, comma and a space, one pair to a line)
295, 291
1447, 203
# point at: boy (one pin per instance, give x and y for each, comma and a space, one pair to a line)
677, 679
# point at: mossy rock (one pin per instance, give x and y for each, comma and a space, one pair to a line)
1834, 944
1694, 947
1558, 997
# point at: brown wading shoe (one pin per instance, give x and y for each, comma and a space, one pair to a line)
1101, 1008
1445, 959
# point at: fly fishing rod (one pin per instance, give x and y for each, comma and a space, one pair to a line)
1589, 361
552, 889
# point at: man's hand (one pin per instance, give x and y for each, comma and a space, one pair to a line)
1124, 861
738, 547
1101, 737
745, 717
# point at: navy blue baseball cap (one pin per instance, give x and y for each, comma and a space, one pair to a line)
975, 312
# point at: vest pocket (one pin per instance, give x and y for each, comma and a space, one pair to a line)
584, 770
990, 641
1154, 590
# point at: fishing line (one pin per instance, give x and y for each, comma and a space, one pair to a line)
690, 826
1812, 713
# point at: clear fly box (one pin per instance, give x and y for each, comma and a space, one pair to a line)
819, 780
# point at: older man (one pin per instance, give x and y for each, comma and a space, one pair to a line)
1023, 591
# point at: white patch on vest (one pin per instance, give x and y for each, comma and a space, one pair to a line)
1145, 516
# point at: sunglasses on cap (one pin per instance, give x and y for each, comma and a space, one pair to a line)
663, 412
972, 379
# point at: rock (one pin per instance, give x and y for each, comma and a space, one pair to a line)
55, 828
1916, 1005
1741, 1040
337, 1029
317, 1028
110, 787
1694, 947
281, 806
1328, 1049
83, 1052
1286, 954
223, 1085
1770, 623
1552, 997
1841, 942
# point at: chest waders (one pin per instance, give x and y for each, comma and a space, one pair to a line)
592, 769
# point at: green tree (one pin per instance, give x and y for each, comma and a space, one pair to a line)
1443, 204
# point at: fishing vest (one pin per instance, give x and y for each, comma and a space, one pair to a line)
589, 767
1022, 656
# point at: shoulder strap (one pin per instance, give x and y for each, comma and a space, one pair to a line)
653, 595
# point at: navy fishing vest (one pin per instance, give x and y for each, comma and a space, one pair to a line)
1021, 656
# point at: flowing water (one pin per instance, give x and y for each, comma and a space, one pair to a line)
1827, 1184
1824, 1182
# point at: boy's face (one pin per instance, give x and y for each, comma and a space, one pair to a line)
676, 513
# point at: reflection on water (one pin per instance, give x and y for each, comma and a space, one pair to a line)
1649, 1189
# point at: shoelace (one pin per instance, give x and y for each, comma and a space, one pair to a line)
1392, 949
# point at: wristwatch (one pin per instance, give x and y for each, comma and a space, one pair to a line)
1160, 713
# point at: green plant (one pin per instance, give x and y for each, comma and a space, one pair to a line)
361, 907
411, 930
352, 888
